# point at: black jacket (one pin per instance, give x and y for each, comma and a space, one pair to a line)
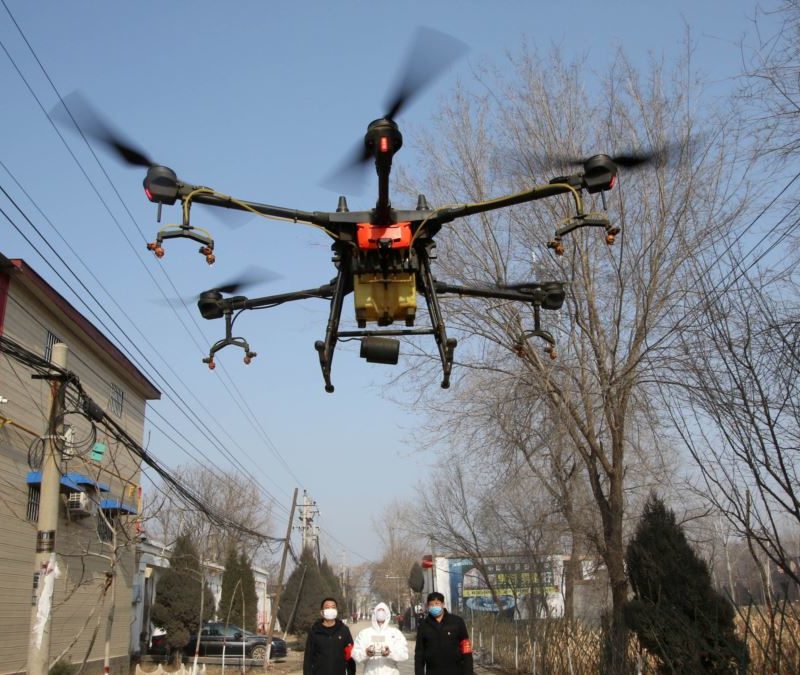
328, 650
443, 647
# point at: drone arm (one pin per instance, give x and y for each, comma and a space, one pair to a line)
537, 192
213, 198
550, 295
324, 291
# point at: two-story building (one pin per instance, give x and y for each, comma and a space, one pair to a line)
100, 479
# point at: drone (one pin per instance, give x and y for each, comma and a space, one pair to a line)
382, 256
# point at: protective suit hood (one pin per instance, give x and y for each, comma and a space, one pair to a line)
376, 638
385, 625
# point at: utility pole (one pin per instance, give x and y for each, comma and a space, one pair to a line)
307, 513
279, 587
44, 563
342, 581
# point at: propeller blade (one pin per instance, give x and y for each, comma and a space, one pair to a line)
630, 159
635, 159
252, 276
77, 111
351, 175
429, 55
230, 218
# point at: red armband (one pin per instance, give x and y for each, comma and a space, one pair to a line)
465, 646
348, 652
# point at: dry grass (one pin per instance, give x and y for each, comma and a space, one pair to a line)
574, 649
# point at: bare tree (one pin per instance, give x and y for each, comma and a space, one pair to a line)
736, 406
228, 495
627, 303
498, 433
388, 577
769, 85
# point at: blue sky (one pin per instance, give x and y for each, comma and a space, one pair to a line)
261, 100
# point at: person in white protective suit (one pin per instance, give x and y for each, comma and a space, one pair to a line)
381, 647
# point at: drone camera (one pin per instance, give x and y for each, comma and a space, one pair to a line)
380, 350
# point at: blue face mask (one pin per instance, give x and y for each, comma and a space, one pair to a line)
435, 610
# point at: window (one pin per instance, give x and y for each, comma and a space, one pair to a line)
32, 512
106, 526
116, 400
49, 340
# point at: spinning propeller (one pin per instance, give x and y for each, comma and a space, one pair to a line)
382, 256
252, 276
77, 111
430, 54
632, 159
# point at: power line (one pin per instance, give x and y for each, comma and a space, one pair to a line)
708, 268
41, 366
99, 304
241, 400
197, 450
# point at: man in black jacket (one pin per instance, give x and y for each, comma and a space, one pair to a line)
329, 645
443, 646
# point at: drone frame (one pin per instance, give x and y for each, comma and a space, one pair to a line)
421, 224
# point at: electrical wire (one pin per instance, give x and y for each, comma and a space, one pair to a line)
116, 431
718, 287
184, 406
241, 399
196, 451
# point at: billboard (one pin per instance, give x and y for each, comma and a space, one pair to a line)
517, 588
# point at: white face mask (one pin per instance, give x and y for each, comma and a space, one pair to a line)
329, 613
380, 615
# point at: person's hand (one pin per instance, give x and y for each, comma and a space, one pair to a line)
370, 651
385, 651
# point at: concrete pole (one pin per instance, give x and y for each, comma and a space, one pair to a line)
44, 563
279, 587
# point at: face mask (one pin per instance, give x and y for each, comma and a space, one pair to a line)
329, 614
435, 610
380, 615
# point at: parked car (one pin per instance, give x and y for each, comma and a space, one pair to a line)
216, 635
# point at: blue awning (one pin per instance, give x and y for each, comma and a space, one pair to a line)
72, 481
117, 505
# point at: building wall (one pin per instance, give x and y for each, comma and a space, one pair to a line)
84, 560
153, 559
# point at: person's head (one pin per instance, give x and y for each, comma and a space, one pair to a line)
328, 609
381, 613
435, 604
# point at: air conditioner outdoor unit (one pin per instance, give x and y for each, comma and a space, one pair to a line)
80, 504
